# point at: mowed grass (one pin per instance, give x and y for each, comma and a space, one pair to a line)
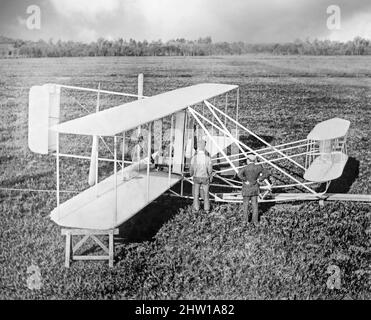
165, 251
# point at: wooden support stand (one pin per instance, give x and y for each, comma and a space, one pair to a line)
86, 234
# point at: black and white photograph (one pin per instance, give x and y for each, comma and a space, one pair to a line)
193, 153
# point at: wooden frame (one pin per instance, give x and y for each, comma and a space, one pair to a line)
71, 249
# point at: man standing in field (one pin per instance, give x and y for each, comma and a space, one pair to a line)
201, 171
251, 175
138, 151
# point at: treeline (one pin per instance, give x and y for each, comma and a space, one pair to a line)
183, 47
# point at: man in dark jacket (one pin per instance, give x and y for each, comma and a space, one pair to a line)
251, 175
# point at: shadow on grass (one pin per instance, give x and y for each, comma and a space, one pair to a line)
145, 224
254, 143
265, 207
350, 174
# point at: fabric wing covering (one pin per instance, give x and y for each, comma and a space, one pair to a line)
329, 129
128, 116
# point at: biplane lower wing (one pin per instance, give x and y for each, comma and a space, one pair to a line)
92, 209
328, 168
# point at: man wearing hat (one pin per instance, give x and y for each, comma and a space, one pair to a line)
201, 171
251, 175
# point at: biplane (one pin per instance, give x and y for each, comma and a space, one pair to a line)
171, 123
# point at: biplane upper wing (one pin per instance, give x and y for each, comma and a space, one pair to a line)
329, 129
128, 116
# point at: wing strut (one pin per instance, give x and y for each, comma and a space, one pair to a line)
197, 116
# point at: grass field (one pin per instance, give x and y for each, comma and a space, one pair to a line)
165, 251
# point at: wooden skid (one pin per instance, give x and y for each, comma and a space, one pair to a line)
87, 233
348, 197
282, 197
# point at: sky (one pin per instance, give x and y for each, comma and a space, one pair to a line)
253, 21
